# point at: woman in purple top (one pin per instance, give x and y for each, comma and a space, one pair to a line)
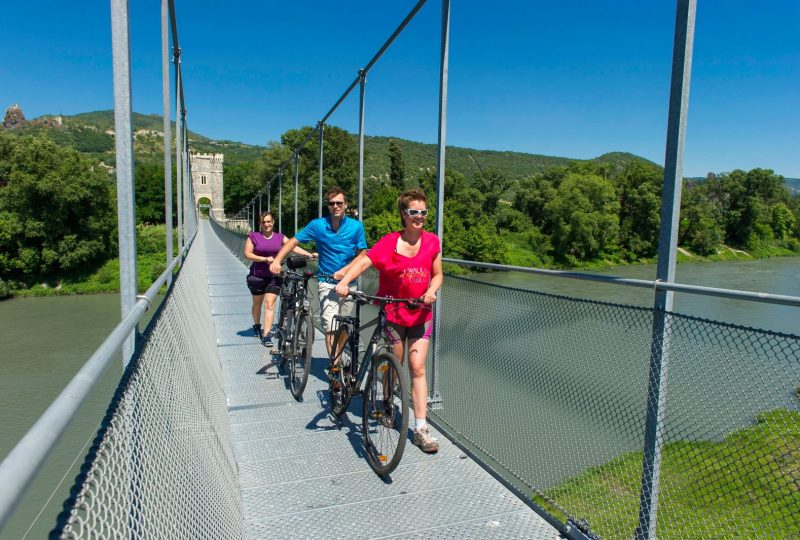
261, 247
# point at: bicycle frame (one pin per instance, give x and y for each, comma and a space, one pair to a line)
373, 346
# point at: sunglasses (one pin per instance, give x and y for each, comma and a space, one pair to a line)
336, 203
413, 212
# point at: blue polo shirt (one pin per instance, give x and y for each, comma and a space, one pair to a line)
336, 248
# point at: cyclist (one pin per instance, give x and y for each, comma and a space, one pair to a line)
261, 247
409, 264
340, 240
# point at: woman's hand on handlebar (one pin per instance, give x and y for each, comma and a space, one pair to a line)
429, 298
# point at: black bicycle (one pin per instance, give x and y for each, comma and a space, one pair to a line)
295, 333
378, 377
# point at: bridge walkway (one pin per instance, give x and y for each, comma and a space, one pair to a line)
304, 475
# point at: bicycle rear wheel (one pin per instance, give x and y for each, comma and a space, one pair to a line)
339, 372
385, 413
301, 355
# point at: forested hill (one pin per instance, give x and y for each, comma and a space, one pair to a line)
467, 161
92, 133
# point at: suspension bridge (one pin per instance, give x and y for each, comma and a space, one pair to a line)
559, 416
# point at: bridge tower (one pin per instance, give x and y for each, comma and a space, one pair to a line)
207, 182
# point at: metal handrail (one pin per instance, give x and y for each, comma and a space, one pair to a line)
735, 294
23, 462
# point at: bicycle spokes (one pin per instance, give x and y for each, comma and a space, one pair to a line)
385, 408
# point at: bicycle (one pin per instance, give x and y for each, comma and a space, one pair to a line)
295, 332
378, 377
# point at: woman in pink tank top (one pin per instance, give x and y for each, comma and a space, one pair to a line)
409, 265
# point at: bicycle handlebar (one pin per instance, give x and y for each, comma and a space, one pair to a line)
364, 298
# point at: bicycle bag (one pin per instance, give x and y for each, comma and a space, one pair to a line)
296, 261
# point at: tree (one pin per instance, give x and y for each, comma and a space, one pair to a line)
242, 181
639, 189
701, 228
397, 167
532, 196
149, 184
584, 216
57, 211
492, 185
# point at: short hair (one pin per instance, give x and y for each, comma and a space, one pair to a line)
333, 192
404, 200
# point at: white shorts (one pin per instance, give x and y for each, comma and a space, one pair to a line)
331, 304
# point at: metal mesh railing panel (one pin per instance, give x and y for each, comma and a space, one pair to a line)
543, 386
233, 240
731, 459
552, 392
162, 465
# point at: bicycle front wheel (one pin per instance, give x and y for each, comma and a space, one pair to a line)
385, 413
339, 372
301, 355
285, 337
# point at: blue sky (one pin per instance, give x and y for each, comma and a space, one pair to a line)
566, 78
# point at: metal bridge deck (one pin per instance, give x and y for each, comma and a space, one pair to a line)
302, 475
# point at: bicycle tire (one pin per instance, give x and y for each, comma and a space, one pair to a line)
385, 413
285, 338
339, 390
300, 364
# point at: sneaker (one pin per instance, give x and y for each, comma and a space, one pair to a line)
267, 340
257, 330
425, 441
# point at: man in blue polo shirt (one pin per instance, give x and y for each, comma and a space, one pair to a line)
340, 241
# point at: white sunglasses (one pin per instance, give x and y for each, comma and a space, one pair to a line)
413, 212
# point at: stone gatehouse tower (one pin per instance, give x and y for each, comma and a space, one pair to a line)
207, 181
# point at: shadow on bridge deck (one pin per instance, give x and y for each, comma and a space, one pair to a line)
302, 475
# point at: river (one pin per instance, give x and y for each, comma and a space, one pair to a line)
46, 340
43, 343
779, 275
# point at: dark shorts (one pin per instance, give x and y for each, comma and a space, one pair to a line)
260, 285
397, 334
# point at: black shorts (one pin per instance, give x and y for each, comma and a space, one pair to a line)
262, 285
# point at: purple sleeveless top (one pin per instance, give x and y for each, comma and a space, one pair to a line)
264, 248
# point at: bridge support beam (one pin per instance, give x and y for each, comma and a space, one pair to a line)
321, 161
126, 219
667, 247
435, 397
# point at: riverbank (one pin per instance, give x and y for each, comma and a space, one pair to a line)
151, 262
758, 493
723, 254
104, 280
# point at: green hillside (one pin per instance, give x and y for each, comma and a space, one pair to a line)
468, 161
88, 133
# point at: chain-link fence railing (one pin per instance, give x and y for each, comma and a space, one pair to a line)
552, 392
162, 464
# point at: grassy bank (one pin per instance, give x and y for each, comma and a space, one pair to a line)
748, 480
